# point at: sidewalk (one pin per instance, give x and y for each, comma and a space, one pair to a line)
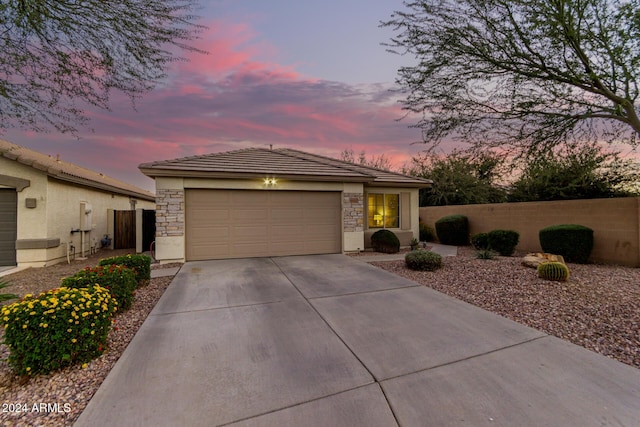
443, 250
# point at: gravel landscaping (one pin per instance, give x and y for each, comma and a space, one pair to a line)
598, 308
58, 399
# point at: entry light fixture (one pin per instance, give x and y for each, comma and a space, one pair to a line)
270, 181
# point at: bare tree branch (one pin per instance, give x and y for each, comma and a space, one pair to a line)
520, 73
60, 56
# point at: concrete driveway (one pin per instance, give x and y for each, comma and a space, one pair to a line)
331, 341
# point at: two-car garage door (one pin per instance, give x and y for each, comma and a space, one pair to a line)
246, 223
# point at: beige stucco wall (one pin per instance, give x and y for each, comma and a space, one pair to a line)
615, 222
63, 215
57, 212
171, 248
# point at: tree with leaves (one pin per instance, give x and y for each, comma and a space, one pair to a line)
574, 172
521, 74
58, 56
460, 178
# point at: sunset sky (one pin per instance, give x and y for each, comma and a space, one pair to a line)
306, 75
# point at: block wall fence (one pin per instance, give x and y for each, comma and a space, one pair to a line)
615, 222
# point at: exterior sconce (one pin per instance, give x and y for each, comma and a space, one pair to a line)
270, 181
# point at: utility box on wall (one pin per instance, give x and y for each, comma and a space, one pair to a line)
86, 217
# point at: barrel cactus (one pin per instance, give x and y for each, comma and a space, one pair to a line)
553, 271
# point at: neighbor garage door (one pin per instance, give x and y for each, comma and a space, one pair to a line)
242, 223
8, 226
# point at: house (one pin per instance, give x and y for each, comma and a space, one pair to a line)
50, 208
261, 202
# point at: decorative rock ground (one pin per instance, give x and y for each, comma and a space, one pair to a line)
533, 260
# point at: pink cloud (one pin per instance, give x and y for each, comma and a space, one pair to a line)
235, 97
232, 48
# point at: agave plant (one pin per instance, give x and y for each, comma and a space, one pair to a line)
5, 297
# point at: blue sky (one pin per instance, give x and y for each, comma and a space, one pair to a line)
306, 75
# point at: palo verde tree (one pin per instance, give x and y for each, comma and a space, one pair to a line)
576, 171
58, 56
521, 74
460, 178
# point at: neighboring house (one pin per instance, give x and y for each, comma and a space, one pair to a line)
261, 202
50, 208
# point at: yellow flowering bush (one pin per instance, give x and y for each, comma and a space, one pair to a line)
58, 328
120, 280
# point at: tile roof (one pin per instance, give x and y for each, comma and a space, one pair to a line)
284, 162
70, 172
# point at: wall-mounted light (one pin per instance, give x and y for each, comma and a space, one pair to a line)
270, 181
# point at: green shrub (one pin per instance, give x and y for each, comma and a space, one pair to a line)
426, 233
453, 230
140, 263
574, 242
486, 254
120, 280
480, 241
553, 271
423, 260
58, 328
385, 241
503, 241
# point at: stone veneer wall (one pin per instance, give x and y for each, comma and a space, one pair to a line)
353, 212
169, 213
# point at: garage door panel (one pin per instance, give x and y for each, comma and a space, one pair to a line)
290, 235
211, 198
247, 215
205, 234
8, 226
261, 223
248, 198
214, 250
249, 233
248, 249
286, 215
216, 215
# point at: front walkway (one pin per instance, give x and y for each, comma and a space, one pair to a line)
443, 250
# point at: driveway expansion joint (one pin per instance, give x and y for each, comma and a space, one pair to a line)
304, 403
219, 308
373, 291
464, 359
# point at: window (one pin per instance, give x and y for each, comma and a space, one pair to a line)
384, 210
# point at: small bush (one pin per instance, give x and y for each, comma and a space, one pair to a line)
574, 242
553, 271
480, 241
58, 328
118, 279
426, 233
453, 230
486, 254
141, 264
385, 241
423, 260
503, 241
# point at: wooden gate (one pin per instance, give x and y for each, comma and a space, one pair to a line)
124, 229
